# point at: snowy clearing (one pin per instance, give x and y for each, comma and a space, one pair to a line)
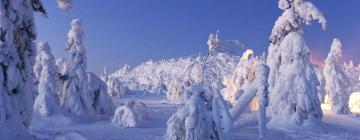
336, 127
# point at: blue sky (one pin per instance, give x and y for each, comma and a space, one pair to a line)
122, 32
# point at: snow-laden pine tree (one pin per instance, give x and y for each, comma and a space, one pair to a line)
17, 52
203, 113
47, 102
75, 97
336, 81
292, 79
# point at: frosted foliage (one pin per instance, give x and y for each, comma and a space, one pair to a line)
353, 73
246, 55
130, 115
46, 103
65, 4
174, 89
213, 42
337, 82
218, 46
259, 88
17, 53
157, 77
321, 86
60, 64
202, 115
295, 12
241, 77
75, 96
294, 96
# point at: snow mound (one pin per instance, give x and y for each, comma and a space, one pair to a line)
131, 114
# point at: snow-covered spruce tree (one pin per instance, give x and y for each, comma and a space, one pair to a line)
75, 97
292, 79
47, 103
336, 81
17, 52
203, 113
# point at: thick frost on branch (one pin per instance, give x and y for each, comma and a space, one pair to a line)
295, 12
216, 45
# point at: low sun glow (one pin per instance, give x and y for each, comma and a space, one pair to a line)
354, 103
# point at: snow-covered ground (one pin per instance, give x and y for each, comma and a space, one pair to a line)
336, 127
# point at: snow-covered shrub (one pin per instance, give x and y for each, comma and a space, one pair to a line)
47, 103
336, 81
203, 115
17, 53
75, 97
130, 114
102, 103
292, 80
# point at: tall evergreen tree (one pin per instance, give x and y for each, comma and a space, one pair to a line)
17, 51
292, 80
336, 81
